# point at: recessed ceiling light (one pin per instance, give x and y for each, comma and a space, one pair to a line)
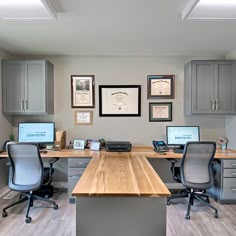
210, 10
26, 9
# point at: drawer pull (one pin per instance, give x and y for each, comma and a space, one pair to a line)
233, 173
233, 189
233, 164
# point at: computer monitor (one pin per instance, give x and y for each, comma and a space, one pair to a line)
180, 135
42, 133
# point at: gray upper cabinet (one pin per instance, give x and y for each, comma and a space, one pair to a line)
210, 87
28, 87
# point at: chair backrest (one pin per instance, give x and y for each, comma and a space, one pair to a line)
196, 165
26, 170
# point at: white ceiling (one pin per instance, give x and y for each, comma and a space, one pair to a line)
121, 27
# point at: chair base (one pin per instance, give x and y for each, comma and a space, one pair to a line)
194, 195
30, 197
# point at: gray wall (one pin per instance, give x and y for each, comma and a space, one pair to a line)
118, 71
5, 130
121, 71
5, 126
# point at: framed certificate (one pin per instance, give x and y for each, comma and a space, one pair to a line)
160, 86
160, 111
120, 100
82, 91
83, 117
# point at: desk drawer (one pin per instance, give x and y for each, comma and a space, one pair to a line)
75, 171
229, 189
230, 173
78, 162
229, 163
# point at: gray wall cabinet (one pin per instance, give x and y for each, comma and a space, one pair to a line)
210, 87
28, 87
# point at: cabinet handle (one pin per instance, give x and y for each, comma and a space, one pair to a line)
216, 105
22, 104
213, 105
233, 164
26, 104
233, 173
233, 189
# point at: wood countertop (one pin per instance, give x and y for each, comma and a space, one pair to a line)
146, 151
120, 174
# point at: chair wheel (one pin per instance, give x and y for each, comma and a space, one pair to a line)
168, 203
28, 220
55, 207
187, 217
216, 215
4, 214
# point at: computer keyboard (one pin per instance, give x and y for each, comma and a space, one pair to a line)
178, 150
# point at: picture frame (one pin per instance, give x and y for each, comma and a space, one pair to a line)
160, 86
82, 91
79, 144
95, 146
120, 100
88, 142
83, 117
160, 111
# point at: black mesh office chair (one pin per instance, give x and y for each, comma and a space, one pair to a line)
195, 173
26, 174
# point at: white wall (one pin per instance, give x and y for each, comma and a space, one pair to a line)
125, 71
230, 121
5, 126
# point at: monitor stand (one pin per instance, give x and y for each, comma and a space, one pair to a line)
179, 149
42, 146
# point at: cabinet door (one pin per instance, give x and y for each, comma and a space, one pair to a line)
202, 87
225, 87
13, 86
35, 94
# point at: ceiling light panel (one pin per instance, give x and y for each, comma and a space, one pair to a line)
26, 9
210, 10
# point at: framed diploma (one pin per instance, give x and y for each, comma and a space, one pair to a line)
160, 86
120, 100
82, 91
83, 117
160, 111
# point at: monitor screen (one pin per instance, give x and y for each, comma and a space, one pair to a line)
179, 135
41, 132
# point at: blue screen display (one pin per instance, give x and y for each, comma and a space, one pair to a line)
179, 135
36, 132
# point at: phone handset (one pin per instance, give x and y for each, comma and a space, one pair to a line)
160, 146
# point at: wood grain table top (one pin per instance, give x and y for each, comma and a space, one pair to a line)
120, 174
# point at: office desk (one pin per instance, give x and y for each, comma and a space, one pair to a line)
146, 151
120, 192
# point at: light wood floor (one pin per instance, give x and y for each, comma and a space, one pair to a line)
61, 222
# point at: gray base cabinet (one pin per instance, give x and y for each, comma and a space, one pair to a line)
210, 87
76, 167
27, 87
224, 189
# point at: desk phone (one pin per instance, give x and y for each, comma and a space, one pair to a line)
160, 146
